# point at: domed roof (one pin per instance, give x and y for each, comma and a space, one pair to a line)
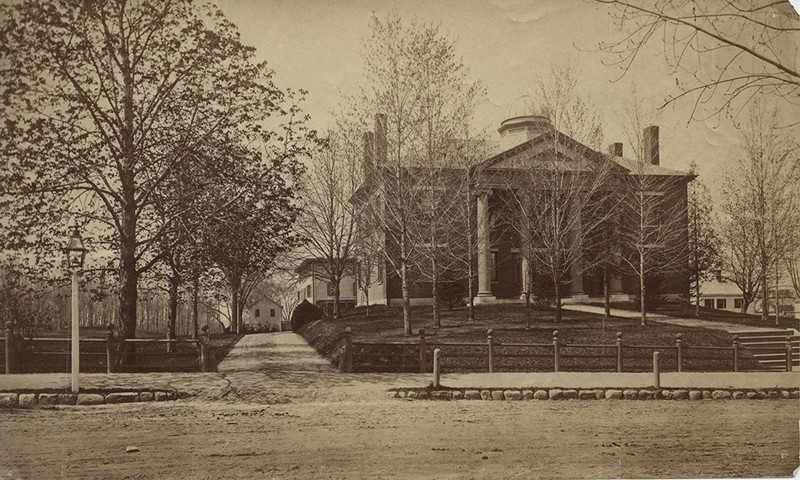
523, 123
521, 107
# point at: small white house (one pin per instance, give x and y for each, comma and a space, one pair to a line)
264, 314
314, 287
721, 294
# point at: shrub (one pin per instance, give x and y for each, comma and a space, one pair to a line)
305, 312
654, 295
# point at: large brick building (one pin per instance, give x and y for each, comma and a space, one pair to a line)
500, 265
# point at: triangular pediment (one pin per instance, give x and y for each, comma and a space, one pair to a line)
548, 151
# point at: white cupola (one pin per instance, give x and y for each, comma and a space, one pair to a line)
522, 123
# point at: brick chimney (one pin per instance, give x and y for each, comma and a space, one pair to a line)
615, 149
369, 152
651, 145
380, 139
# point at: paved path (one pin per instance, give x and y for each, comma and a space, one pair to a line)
684, 322
282, 367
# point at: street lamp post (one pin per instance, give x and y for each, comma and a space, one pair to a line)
75, 254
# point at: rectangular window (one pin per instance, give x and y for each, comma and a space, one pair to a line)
722, 303
308, 291
380, 271
737, 302
271, 312
708, 303
258, 313
355, 289
330, 289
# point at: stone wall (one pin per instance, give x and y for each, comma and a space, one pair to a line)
29, 400
593, 394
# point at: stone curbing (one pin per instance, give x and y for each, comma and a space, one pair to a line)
592, 394
36, 399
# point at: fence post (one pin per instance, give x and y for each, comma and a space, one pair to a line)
656, 372
205, 353
348, 350
679, 346
436, 371
556, 356
423, 361
788, 355
110, 348
619, 351
490, 343
736, 353
9, 346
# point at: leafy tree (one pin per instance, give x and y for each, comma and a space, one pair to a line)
104, 101
246, 237
704, 243
25, 302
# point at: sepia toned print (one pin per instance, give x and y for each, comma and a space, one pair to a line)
448, 239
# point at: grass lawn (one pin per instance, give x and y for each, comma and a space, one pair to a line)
687, 310
508, 324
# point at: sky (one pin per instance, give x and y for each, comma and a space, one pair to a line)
507, 45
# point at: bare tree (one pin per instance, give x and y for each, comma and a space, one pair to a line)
732, 50
652, 221
761, 202
328, 221
556, 200
419, 85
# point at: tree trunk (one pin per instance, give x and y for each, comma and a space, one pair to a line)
195, 307
173, 311
236, 326
557, 292
697, 298
764, 296
527, 310
336, 295
129, 276
642, 302
437, 321
406, 299
366, 300
777, 298
127, 300
606, 296
470, 281
528, 286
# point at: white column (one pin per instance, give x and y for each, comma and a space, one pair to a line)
576, 282
484, 275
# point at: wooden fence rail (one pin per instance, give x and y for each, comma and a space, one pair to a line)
355, 357
22, 354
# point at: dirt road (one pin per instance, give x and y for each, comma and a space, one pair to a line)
403, 439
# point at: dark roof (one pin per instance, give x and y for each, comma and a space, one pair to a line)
308, 262
627, 164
